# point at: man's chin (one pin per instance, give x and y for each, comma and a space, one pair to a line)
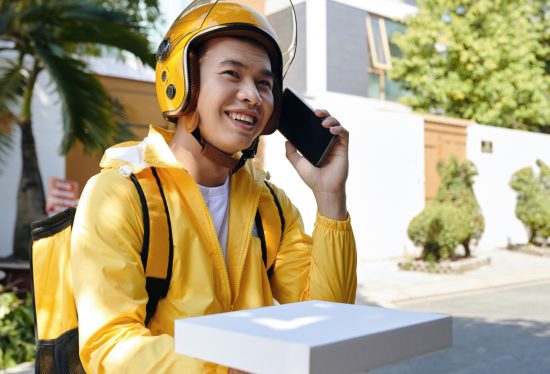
237, 146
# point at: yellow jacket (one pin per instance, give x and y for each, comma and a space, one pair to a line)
109, 281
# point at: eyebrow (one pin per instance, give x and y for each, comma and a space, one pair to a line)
236, 63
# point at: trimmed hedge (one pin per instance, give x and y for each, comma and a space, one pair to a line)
453, 217
533, 202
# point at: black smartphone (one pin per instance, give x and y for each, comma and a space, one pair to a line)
300, 126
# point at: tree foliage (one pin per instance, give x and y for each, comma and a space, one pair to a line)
43, 35
486, 60
16, 329
39, 36
453, 217
533, 201
144, 12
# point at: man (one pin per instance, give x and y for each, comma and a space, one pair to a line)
219, 76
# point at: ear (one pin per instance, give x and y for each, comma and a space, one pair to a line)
193, 78
190, 121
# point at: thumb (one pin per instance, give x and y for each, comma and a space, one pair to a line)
292, 154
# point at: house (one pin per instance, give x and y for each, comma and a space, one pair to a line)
344, 53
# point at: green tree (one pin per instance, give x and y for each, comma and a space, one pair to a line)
533, 201
453, 217
45, 35
478, 59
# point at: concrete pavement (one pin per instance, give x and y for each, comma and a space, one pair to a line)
382, 283
504, 331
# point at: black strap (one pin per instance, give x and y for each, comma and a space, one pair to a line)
52, 225
261, 235
260, 229
145, 211
170, 236
279, 208
156, 288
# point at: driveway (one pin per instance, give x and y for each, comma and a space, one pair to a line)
499, 331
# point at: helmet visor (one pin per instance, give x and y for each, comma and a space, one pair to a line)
282, 17
279, 13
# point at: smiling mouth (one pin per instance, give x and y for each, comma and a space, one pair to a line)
243, 118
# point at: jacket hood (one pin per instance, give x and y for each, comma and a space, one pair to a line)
151, 151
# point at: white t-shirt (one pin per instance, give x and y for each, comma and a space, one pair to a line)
217, 201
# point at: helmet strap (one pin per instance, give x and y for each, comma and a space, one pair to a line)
224, 159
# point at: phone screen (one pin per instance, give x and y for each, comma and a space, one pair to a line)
300, 126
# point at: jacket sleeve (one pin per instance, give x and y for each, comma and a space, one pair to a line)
109, 284
321, 267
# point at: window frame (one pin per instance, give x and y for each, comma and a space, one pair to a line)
375, 59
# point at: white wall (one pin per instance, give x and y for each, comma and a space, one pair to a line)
512, 150
47, 128
385, 187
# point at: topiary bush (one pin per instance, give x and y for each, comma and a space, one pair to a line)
17, 342
452, 218
533, 202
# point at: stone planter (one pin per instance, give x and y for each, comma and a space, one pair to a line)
456, 265
530, 249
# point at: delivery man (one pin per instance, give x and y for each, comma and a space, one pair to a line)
219, 78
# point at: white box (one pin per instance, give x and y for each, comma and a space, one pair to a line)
312, 337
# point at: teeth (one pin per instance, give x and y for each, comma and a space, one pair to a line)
242, 117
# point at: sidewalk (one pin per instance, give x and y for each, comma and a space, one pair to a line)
382, 283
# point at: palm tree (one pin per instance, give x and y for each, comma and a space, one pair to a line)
39, 36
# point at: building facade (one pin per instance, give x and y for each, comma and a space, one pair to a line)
344, 53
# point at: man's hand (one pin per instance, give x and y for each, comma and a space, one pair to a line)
328, 182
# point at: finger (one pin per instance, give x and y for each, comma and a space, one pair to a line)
292, 154
330, 122
322, 113
342, 134
340, 131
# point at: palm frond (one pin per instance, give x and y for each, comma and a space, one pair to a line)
112, 35
87, 112
83, 22
94, 24
12, 86
123, 125
6, 143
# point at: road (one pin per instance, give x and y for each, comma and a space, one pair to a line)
499, 331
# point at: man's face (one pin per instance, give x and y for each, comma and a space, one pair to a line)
235, 96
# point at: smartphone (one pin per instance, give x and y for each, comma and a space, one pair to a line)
300, 126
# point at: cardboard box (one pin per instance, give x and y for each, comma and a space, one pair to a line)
312, 337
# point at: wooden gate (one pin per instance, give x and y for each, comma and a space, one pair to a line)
443, 137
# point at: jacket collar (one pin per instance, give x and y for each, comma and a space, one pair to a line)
154, 151
151, 151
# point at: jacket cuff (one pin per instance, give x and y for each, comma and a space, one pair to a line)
333, 224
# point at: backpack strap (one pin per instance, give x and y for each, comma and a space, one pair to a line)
157, 253
260, 227
279, 208
261, 235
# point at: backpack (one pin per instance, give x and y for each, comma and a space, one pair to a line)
55, 314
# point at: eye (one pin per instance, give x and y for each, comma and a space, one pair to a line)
231, 73
265, 83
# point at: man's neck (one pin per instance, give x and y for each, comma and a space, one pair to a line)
187, 151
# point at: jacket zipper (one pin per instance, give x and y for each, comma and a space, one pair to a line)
246, 247
220, 256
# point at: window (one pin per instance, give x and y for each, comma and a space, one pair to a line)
378, 42
380, 34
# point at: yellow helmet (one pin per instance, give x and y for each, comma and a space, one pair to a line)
177, 75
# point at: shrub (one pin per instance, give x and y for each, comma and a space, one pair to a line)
452, 218
17, 342
533, 201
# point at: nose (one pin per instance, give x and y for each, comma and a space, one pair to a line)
248, 92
